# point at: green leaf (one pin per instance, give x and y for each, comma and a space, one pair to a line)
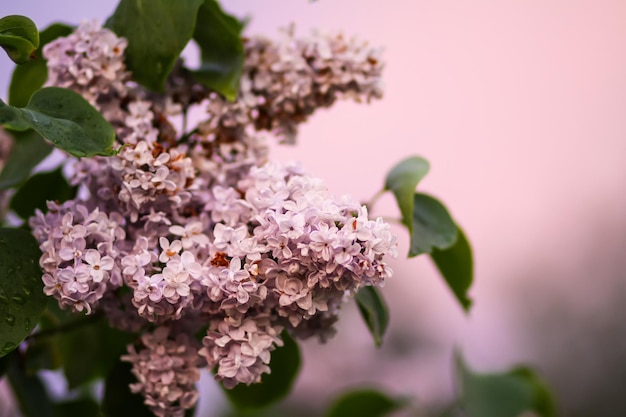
364, 403
506, 394
90, 351
66, 119
19, 37
83, 407
29, 149
21, 290
543, 401
457, 267
118, 399
31, 76
5, 361
285, 365
157, 32
432, 226
42, 353
41, 187
374, 311
402, 180
29, 391
219, 37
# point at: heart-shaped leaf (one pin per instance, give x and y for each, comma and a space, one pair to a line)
432, 226
40, 188
31, 76
457, 267
402, 180
507, 394
219, 37
66, 119
21, 290
364, 403
374, 312
157, 32
19, 37
28, 150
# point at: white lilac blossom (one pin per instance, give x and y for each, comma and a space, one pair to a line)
188, 232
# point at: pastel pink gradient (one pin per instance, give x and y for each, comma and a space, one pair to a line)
520, 108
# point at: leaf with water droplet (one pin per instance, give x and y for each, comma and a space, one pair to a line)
77, 127
19, 274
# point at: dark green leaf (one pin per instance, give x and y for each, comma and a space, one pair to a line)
118, 399
83, 407
285, 365
90, 351
432, 226
66, 119
42, 354
402, 180
219, 37
5, 361
29, 149
364, 403
543, 402
503, 395
157, 32
30, 392
457, 267
19, 37
41, 187
21, 290
31, 76
374, 311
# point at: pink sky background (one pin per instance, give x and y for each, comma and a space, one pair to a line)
520, 107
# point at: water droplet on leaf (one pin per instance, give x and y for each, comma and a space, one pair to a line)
8, 346
10, 319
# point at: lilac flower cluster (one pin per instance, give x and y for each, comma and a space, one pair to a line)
284, 83
174, 237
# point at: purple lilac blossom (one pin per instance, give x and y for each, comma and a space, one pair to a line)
207, 234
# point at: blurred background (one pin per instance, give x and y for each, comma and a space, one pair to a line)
520, 108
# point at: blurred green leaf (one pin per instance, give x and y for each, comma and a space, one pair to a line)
157, 32
374, 312
66, 119
30, 392
222, 54
506, 394
41, 187
457, 267
5, 361
31, 76
83, 407
285, 365
21, 290
364, 403
402, 180
90, 351
28, 150
19, 37
432, 226
43, 353
118, 399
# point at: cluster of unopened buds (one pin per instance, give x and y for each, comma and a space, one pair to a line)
187, 232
